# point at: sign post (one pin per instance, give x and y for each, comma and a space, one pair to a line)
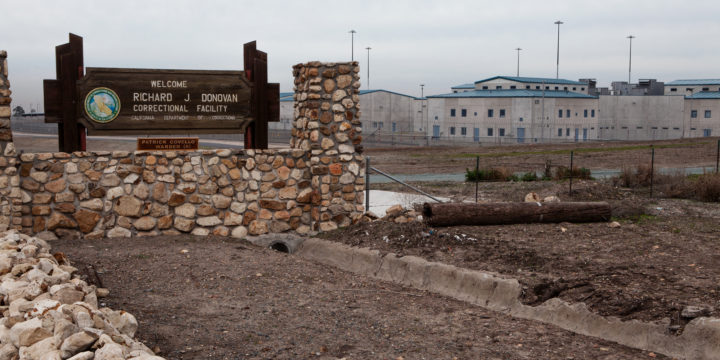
118, 101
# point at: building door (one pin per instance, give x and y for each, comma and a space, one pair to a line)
476, 134
436, 131
577, 134
520, 135
584, 134
707, 132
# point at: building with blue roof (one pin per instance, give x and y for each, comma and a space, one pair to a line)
511, 109
691, 86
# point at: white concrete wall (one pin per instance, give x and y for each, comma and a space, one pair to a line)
686, 90
700, 125
641, 117
506, 84
381, 107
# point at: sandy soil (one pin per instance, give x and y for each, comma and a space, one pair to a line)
217, 298
662, 258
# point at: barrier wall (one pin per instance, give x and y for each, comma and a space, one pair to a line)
316, 185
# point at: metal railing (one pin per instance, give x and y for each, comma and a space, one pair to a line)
368, 168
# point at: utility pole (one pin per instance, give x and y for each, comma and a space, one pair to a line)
630, 61
352, 44
518, 61
557, 68
368, 67
422, 114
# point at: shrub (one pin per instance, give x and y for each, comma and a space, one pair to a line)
630, 177
562, 172
491, 174
529, 176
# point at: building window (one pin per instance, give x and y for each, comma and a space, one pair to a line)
673, 89
592, 113
676, 128
665, 128
463, 112
707, 114
557, 88
452, 130
574, 88
436, 117
513, 87
502, 113
693, 113
490, 112
537, 87
537, 102
706, 89
521, 119
654, 127
707, 132
485, 87
559, 113
585, 113
381, 124
583, 89
490, 132
565, 88
527, 87
567, 132
394, 126
452, 112
374, 124
689, 89
638, 127
498, 87
547, 88
501, 132
463, 131
693, 129
559, 131
567, 113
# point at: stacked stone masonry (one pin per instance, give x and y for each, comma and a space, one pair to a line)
9, 195
120, 194
316, 185
327, 124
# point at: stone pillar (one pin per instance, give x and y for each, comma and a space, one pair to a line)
327, 124
10, 194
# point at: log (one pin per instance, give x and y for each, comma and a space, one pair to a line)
450, 214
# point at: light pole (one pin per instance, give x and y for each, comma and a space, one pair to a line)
630, 61
518, 61
557, 69
352, 44
368, 67
422, 114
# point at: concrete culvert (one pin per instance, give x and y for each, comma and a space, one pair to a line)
280, 246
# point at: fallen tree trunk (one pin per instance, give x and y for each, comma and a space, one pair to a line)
449, 214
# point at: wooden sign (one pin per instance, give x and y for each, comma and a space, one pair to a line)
138, 101
114, 101
167, 144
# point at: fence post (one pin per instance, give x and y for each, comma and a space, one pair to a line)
367, 183
652, 169
717, 157
477, 169
571, 171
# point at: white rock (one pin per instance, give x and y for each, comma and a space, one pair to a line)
239, 232
44, 349
122, 321
110, 351
28, 332
85, 355
8, 352
76, 343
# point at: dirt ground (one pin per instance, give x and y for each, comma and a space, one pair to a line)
664, 256
533, 157
218, 298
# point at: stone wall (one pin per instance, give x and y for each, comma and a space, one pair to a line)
119, 194
9, 181
327, 124
316, 185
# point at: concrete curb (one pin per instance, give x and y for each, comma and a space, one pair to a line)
700, 339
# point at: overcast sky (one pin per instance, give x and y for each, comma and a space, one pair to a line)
436, 43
